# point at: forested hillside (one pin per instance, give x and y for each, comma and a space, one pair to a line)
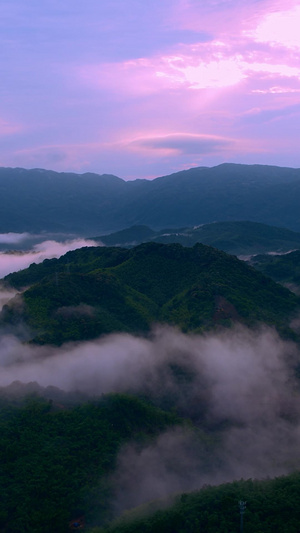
42, 200
237, 238
269, 506
282, 268
92, 291
150, 413
55, 458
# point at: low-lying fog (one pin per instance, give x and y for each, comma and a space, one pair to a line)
239, 385
19, 250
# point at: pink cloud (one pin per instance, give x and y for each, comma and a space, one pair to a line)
225, 17
280, 28
202, 88
9, 128
114, 112
214, 65
217, 65
193, 146
183, 143
131, 78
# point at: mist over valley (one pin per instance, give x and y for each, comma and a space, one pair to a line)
150, 266
143, 364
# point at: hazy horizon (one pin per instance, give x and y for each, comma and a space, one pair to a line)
144, 91
159, 175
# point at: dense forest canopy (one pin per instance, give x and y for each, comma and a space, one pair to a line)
180, 376
93, 291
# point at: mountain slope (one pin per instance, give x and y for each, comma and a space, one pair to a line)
282, 268
40, 200
56, 459
92, 291
43, 200
238, 238
269, 507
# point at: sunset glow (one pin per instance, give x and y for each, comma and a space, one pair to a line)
96, 87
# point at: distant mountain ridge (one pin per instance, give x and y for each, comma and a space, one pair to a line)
237, 238
41, 200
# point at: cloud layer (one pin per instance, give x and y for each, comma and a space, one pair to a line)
239, 384
12, 261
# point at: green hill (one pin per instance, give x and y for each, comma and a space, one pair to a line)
93, 291
270, 506
55, 458
282, 268
58, 456
237, 238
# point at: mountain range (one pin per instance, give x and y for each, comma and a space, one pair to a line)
41, 200
154, 410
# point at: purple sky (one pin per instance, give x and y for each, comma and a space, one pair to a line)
143, 89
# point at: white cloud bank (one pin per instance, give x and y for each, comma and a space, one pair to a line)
12, 261
240, 377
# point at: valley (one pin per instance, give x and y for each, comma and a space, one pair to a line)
150, 378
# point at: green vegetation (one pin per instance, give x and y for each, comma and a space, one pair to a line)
60, 451
80, 306
237, 238
94, 291
282, 268
59, 455
129, 236
271, 506
55, 458
56, 461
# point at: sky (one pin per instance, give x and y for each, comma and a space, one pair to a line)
142, 90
